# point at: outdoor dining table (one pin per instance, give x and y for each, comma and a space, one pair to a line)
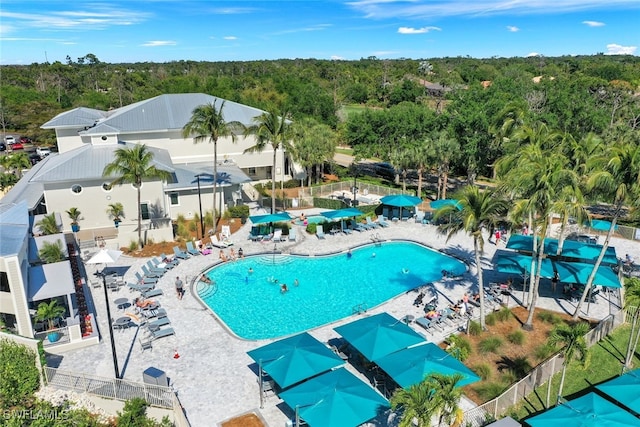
121, 302
122, 322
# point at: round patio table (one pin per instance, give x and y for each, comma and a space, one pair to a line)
121, 302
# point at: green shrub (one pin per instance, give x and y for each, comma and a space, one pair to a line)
489, 390
193, 225
133, 246
483, 370
516, 337
459, 347
183, 231
549, 317
508, 377
490, 345
504, 314
238, 211
208, 219
19, 377
475, 328
544, 351
311, 228
181, 219
490, 319
292, 183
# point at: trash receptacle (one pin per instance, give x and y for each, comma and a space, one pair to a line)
155, 376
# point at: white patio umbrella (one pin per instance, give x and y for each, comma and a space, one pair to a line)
105, 256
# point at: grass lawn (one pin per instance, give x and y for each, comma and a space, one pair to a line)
606, 363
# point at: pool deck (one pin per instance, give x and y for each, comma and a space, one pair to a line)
214, 377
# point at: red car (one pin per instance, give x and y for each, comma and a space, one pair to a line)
17, 146
25, 140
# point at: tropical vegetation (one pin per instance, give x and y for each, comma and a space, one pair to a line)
51, 252
132, 166
49, 311
48, 224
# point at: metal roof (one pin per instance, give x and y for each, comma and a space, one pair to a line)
185, 176
14, 227
163, 112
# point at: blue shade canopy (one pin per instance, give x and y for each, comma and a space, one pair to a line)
600, 225
342, 213
570, 249
276, 217
401, 200
412, 365
335, 399
295, 358
379, 335
437, 204
624, 390
578, 272
589, 410
515, 263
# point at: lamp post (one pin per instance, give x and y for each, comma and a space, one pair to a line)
113, 342
200, 205
354, 203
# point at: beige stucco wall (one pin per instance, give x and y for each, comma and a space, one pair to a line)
15, 301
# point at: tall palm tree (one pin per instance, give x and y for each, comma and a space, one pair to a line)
51, 252
445, 150
449, 395
571, 337
207, 123
133, 166
615, 175
418, 403
632, 302
48, 224
271, 129
315, 144
476, 210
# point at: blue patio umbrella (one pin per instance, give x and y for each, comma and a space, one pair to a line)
570, 249
335, 399
412, 365
590, 410
515, 263
437, 204
340, 214
624, 390
401, 201
578, 272
276, 217
378, 335
296, 358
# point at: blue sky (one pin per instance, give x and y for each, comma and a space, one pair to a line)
210, 30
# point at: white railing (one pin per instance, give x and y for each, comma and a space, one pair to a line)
62, 335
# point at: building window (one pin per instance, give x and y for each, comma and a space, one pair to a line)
106, 187
174, 200
144, 208
252, 171
4, 282
76, 188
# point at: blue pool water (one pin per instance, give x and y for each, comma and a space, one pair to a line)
330, 287
314, 219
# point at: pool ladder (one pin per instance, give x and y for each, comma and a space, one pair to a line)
359, 309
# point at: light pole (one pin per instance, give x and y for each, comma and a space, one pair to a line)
200, 205
113, 342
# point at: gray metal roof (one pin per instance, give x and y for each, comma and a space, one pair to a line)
78, 117
228, 174
88, 162
164, 112
50, 280
14, 227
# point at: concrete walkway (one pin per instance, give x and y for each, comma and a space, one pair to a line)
213, 376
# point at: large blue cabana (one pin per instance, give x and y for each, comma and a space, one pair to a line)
514, 263
624, 390
584, 252
578, 272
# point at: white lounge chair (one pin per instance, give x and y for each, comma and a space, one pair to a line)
320, 232
382, 221
372, 224
277, 235
217, 243
292, 234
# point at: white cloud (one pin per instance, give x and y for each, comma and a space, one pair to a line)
337, 58
529, 55
318, 27
230, 38
616, 49
593, 23
100, 18
154, 43
513, 29
419, 9
411, 30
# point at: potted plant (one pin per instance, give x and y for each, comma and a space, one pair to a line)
49, 312
116, 213
74, 215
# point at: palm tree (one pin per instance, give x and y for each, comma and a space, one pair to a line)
207, 124
51, 252
49, 312
615, 174
132, 166
449, 394
115, 211
315, 144
571, 337
418, 403
74, 215
273, 129
48, 224
445, 150
632, 302
476, 210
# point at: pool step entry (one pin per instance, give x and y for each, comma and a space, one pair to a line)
205, 290
359, 309
274, 259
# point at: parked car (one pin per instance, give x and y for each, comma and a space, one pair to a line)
43, 152
3, 147
34, 158
9, 139
17, 146
25, 140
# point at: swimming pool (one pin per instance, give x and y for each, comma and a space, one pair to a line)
313, 219
247, 296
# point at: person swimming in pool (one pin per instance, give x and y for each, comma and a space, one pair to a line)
284, 288
349, 254
250, 270
405, 271
295, 282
